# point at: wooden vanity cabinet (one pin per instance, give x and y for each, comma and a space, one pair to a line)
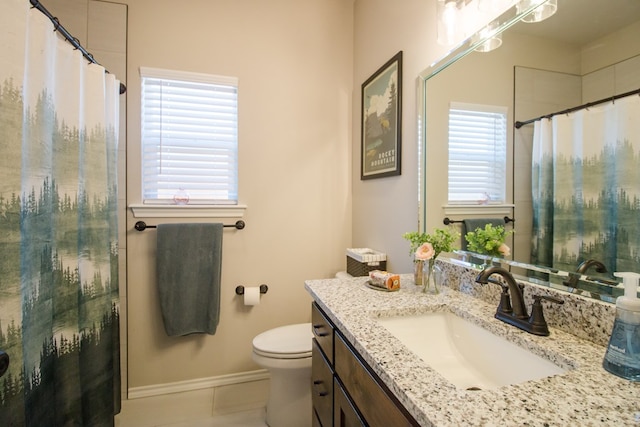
321, 387
321, 368
322, 329
369, 395
345, 392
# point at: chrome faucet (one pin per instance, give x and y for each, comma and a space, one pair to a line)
512, 309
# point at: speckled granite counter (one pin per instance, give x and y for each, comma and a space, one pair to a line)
586, 395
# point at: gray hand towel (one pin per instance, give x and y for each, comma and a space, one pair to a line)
472, 223
188, 266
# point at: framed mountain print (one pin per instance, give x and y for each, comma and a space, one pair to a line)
381, 121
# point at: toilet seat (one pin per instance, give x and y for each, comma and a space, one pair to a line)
285, 342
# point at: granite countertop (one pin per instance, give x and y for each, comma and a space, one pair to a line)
586, 395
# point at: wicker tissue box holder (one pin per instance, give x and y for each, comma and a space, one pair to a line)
360, 261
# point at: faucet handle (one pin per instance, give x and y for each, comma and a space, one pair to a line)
537, 320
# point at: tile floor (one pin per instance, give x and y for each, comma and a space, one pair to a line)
239, 404
251, 418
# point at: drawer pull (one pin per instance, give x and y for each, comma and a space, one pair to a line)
316, 384
317, 328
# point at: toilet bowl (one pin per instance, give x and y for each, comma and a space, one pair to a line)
286, 353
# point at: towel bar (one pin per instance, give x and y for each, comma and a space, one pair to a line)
448, 221
240, 289
141, 225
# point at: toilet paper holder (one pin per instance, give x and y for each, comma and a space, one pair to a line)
240, 289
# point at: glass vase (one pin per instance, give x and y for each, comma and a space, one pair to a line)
418, 265
491, 261
431, 277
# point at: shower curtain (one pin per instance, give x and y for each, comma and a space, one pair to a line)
59, 319
586, 187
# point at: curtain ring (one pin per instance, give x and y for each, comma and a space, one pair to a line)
56, 23
75, 43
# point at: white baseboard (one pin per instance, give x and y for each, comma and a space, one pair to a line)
197, 384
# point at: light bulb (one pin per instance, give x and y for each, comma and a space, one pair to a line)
447, 22
543, 11
492, 40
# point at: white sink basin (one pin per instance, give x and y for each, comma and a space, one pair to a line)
467, 355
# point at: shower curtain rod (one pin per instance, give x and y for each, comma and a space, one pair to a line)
519, 124
74, 41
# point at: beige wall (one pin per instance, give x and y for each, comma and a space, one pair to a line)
386, 208
600, 77
294, 64
611, 49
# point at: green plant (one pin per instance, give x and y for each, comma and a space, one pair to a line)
441, 240
488, 240
415, 240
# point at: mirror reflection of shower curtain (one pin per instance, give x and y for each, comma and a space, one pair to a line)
59, 319
586, 187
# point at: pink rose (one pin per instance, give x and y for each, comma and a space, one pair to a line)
425, 252
504, 250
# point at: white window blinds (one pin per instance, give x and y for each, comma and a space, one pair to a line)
477, 153
189, 137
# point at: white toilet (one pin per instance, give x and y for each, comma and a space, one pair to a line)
286, 353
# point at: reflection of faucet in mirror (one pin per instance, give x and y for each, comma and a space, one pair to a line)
585, 265
600, 268
511, 309
573, 280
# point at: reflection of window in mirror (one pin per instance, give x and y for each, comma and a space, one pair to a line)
477, 154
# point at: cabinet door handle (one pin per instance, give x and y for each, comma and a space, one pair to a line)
316, 385
317, 328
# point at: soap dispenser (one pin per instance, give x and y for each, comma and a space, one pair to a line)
623, 353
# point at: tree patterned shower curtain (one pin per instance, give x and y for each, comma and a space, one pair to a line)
59, 319
586, 187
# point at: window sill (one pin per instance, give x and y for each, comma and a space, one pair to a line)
187, 211
505, 209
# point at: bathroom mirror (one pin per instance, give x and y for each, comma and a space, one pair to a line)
562, 44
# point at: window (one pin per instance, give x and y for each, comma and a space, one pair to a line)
189, 138
477, 153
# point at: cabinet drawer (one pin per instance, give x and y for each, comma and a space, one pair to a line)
322, 331
345, 415
321, 387
370, 396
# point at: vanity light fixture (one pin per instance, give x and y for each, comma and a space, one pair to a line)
459, 19
543, 11
492, 40
449, 21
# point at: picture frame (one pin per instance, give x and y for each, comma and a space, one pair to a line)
381, 121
